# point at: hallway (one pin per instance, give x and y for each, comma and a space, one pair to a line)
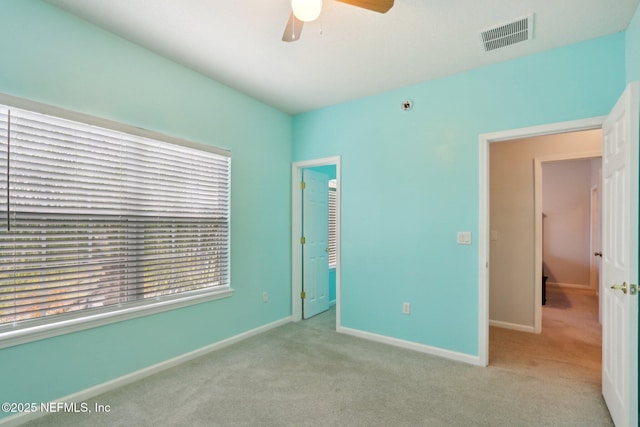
570, 345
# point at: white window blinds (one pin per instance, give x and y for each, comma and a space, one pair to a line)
4, 172
96, 218
332, 223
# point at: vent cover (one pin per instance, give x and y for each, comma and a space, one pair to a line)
505, 35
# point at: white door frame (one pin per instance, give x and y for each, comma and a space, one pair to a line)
594, 244
296, 230
483, 215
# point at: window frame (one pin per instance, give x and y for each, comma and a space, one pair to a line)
80, 320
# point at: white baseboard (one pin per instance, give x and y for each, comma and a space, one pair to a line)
91, 392
514, 326
572, 286
435, 351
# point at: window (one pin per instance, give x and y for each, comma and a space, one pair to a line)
332, 223
95, 220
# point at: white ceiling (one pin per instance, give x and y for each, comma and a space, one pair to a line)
348, 52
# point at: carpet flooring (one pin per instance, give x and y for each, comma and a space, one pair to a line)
306, 374
570, 345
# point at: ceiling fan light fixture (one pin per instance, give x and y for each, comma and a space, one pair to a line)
306, 10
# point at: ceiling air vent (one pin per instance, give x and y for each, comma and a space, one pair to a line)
505, 35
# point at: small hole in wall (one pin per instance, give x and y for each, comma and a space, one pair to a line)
407, 105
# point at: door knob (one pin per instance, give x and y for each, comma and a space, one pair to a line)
633, 289
622, 287
598, 254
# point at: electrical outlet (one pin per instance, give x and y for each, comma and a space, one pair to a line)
464, 237
406, 308
265, 297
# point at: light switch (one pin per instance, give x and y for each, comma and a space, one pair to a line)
494, 235
464, 237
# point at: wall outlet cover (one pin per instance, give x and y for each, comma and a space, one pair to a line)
464, 237
406, 308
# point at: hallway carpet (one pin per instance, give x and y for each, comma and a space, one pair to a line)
570, 345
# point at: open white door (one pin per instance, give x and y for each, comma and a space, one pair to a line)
315, 229
620, 259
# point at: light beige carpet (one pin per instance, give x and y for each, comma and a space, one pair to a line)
570, 345
305, 374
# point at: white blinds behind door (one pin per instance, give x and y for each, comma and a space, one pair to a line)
100, 217
332, 224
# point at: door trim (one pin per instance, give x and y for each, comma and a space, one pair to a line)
296, 229
594, 221
483, 214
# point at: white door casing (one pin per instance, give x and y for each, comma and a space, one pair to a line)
594, 239
315, 229
595, 245
620, 259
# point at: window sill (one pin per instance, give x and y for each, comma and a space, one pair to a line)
24, 335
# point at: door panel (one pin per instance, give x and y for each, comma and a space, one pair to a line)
620, 259
315, 229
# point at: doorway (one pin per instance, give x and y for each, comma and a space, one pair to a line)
533, 311
567, 207
331, 165
568, 337
570, 221
620, 265
518, 221
318, 212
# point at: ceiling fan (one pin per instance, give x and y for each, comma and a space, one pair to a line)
308, 10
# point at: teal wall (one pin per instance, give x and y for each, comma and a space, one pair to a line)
332, 285
52, 57
329, 170
632, 45
410, 181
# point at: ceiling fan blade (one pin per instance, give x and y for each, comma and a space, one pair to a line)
293, 29
381, 6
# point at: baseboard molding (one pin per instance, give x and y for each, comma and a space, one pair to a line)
94, 391
422, 348
514, 326
572, 286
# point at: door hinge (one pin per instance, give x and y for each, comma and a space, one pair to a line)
303, 240
303, 295
303, 185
